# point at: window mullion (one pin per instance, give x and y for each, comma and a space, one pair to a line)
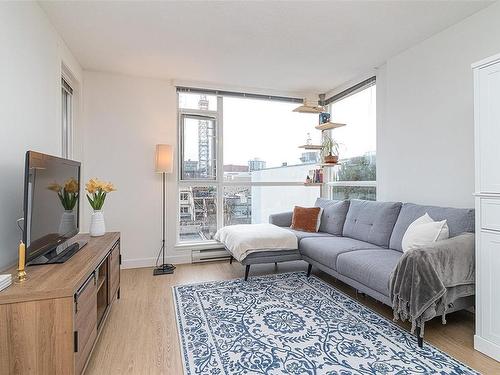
220, 162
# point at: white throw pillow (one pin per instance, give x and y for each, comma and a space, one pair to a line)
318, 223
424, 231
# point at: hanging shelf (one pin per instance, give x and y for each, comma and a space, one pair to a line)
311, 147
306, 107
329, 125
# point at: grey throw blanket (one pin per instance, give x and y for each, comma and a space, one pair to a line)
428, 279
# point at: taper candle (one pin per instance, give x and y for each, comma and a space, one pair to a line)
22, 256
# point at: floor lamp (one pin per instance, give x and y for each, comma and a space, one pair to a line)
164, 161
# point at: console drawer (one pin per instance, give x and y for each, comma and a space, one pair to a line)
490, 214
85, 321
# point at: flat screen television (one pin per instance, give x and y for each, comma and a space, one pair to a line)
51, 208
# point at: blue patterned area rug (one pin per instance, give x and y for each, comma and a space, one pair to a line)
291, 324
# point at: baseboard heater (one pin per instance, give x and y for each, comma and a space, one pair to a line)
209, 255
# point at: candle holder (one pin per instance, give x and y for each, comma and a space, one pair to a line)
21, 275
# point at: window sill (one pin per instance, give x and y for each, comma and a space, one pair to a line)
200, 245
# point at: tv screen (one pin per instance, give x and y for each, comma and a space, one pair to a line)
51, 203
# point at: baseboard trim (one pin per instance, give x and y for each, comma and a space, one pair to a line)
487, 347
151, 262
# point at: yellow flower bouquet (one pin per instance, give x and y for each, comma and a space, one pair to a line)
68, 194
97, 191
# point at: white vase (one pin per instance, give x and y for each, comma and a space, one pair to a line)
97, 225
67, 224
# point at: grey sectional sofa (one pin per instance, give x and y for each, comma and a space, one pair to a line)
359, 242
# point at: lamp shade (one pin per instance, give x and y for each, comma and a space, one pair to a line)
164, 159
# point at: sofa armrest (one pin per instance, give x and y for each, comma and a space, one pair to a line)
427, 279
453, 259
282, 219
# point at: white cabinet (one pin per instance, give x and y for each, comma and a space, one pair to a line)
487, 163
490, 214
487, 130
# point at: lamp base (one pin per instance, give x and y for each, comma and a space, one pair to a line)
164, 269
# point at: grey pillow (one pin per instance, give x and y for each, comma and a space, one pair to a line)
333, 216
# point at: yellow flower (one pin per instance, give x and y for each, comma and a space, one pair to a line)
101, 185
92, 185
71, 186
54, 187
108, 187
95, 185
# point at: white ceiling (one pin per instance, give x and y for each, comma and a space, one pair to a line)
292, 46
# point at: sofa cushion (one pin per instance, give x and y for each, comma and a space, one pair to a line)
371, 268
459, 220
333, 216
325, 250
371, 221
301, 235
324, 202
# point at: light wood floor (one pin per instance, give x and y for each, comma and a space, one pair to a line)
140, 336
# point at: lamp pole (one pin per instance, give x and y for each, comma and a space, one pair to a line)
163, 220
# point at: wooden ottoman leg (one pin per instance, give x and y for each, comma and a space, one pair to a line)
231, 260
247, 269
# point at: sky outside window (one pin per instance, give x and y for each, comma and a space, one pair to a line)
265, 129
358, 111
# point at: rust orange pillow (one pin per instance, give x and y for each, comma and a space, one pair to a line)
306, 219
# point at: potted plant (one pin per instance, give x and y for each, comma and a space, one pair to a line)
96, 195
330, 150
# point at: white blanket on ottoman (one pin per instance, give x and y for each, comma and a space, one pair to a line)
244, 239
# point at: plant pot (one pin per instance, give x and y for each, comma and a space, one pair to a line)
67, 223
331, 159
97, 225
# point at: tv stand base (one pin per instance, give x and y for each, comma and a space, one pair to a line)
60, 254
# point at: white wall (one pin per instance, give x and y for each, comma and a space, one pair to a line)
267, 200
31, 55
425, 120
124, 118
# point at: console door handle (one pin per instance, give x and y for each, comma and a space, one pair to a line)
82, 289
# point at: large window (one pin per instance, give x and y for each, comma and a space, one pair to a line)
355, 177
198, 167
240, 161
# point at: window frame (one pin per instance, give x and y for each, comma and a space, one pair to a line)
208, 116
66, 119
219, 182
